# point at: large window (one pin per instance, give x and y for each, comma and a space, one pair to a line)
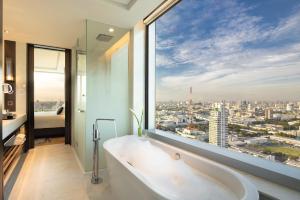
228, 73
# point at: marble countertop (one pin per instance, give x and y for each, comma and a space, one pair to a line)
9, 126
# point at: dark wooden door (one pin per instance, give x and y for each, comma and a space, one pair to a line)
30, 93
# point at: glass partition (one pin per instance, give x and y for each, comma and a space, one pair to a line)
101, 87
79, 94
107, 82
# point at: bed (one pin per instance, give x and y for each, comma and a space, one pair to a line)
48, 120
49, 124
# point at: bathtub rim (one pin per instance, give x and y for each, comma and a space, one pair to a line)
248, 187
287, 177
158, 193
245, 182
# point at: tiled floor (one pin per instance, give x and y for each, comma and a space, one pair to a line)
52, 172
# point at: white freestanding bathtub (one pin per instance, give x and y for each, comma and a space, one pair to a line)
144, 168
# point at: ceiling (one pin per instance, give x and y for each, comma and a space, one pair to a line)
60, 22
99, 47
46, 60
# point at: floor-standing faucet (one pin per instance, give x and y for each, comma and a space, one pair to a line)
96, 138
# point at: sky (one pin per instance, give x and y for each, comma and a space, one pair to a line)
49, 86
49, 78
229, 50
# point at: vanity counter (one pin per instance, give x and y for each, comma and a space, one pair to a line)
9, 126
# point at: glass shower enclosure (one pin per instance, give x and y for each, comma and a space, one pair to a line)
102, 87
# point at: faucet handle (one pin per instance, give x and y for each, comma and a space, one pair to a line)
177, 156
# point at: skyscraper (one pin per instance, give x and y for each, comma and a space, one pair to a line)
218, 126
244, 105
289, 107
268, 114
190, 107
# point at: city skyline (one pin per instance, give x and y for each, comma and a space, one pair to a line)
266, 130
231, 50
195, 101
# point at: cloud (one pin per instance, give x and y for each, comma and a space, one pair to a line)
264, 62
165, 43
163, 60
165, 26
287, 28
240, 53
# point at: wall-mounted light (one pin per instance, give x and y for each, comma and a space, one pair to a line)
9, 71
111, 30
5, 31
7, 88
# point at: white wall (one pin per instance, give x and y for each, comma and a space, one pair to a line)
20, 77
138, 80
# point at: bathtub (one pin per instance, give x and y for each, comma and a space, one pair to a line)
146, 169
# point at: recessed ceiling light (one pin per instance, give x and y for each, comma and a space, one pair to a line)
111, 30
5, 31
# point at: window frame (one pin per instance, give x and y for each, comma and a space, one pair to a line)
278, 173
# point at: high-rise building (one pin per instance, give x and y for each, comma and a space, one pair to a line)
218, 126
289, 107
244, 105
250, 108
190, 106
268, 114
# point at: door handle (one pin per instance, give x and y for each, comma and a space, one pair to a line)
80, 110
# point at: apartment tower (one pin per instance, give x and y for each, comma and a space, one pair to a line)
268, 114
218, 126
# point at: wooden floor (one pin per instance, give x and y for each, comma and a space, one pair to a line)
52, 172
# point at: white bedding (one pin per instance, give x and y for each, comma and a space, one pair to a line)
48, 120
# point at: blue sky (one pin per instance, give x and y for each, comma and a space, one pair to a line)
229, 50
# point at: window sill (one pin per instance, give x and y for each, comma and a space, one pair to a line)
269, 190
262, 172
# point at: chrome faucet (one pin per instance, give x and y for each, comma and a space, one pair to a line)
177, 156
96, 138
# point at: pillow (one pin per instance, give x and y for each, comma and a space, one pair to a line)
59, 110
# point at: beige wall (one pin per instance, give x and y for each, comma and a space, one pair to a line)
20, 77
